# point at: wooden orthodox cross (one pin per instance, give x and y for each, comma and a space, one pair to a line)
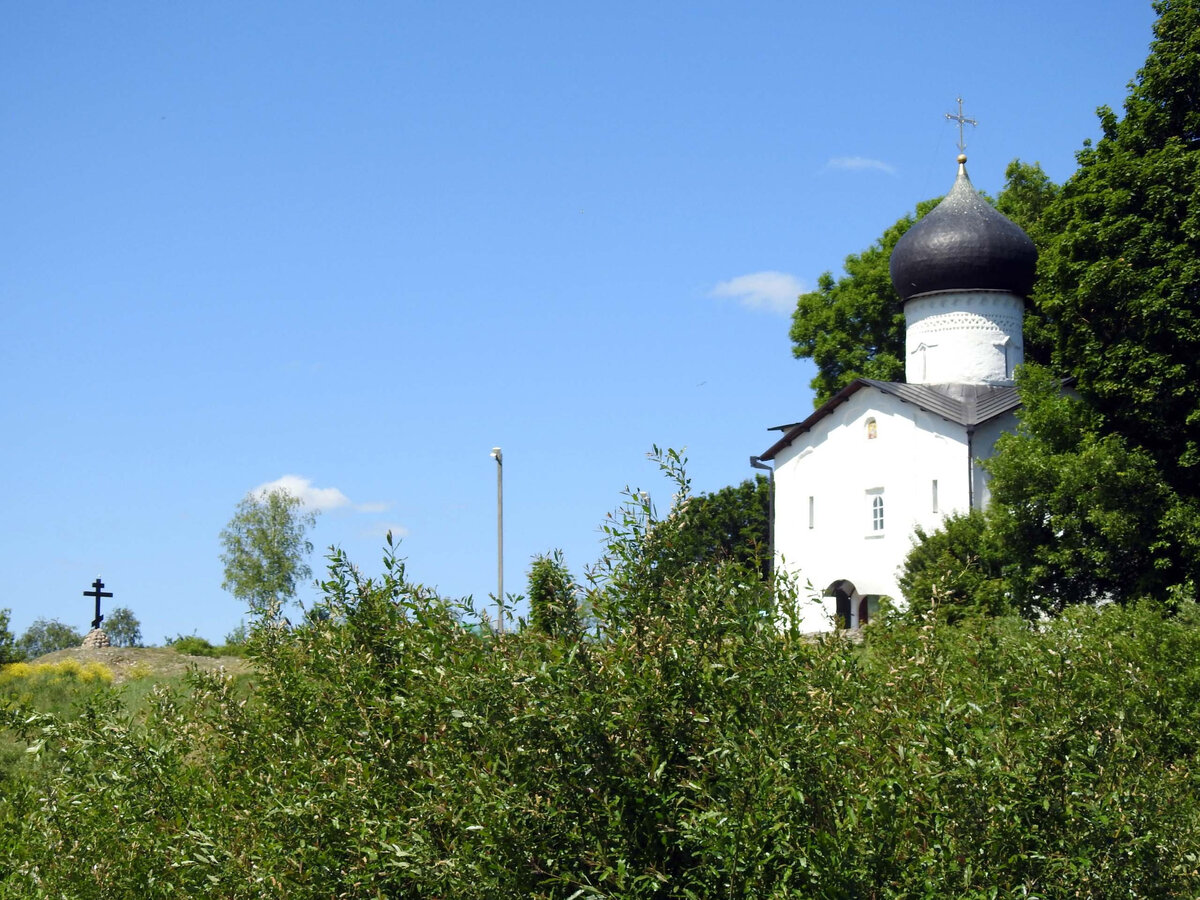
97, 592
961, 120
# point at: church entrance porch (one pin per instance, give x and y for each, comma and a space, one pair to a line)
850, 608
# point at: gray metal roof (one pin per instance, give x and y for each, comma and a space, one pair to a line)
964, 404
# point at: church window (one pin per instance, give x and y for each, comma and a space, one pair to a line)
874, 512
935, 499
872, 429
811, 511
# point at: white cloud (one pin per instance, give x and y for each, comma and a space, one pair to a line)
773, 291
858, 163
315, 498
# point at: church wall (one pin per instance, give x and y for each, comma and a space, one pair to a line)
853, 478
983, 446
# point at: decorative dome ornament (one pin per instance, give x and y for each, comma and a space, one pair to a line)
963, 244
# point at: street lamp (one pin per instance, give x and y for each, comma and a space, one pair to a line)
498, 456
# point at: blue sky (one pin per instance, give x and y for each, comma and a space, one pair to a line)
357, 245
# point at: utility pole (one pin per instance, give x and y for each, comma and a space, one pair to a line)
498, 456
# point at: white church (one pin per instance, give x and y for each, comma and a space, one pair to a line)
855, 478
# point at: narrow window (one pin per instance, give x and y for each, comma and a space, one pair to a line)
811, 510
877, 513
935, 502
872, 429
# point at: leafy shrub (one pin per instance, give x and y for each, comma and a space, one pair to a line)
957, 570
192, 645
553, 605
691, 747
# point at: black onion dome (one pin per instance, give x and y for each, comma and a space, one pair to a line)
963, 244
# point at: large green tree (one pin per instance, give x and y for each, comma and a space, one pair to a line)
1120, 281
45, 636
123, 628
1097, 497
1081, 513
853, 326
265, 547
8, 644
1078, 514
729, 524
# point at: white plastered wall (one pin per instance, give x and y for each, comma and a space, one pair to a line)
841, 469
983, 446
963, 337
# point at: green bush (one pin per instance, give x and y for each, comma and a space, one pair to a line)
192, 645
691, 746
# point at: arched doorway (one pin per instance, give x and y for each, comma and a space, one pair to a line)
845, 603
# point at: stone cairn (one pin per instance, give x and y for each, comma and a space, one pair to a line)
95, 640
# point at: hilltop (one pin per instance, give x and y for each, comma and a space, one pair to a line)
163, 663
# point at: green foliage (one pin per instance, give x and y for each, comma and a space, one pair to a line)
193, 645
1120, 284
553, 605
695, 749
730, 524
1028, 193
956, 570
45, 636
8, 645
853, 327
1077, 515
1082, 515
123, 628
62, 689
265, 549
1097, 497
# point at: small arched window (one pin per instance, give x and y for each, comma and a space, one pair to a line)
872, 429
877, 513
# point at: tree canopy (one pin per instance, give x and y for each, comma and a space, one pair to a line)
1120, 280
730, 524
8, 644
45, 636
123, 628
694, 748
265, 546
1077, 515
553, 604
853, 326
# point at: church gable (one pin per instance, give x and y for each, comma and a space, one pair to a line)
856, 482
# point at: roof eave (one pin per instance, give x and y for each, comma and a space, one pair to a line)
794, 431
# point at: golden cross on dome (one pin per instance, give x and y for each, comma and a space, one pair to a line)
961, 120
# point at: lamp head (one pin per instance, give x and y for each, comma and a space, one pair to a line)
497, 455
